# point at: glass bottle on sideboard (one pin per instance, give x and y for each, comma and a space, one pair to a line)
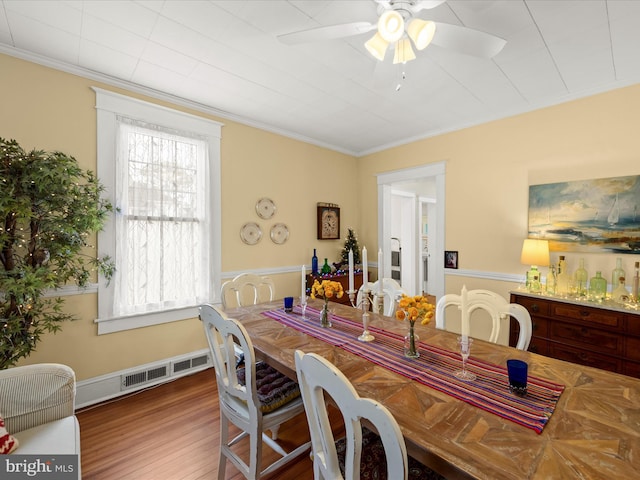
534, 281
598, 287
635, 284
314, 263
326, 268
616, 274
620, 294
562, 279
581, 278
551, 280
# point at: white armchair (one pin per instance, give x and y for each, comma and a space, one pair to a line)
37, 403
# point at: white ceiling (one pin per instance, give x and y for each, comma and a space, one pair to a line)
225, 57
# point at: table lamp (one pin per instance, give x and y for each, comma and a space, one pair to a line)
535, 253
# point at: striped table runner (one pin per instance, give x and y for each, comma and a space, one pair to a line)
434, 368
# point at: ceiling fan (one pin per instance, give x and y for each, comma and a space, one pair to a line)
399, 25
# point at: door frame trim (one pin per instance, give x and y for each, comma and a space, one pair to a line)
385, 182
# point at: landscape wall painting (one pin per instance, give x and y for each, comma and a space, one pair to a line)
598, 215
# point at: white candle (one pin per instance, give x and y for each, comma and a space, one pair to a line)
351, 270
465, 314
303, 286
365, 272
380, 276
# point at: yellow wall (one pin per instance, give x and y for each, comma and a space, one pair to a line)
488, 171
51, 110
490, 167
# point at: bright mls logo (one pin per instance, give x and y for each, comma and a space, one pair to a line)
58, 467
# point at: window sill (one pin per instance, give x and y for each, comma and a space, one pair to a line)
120, 324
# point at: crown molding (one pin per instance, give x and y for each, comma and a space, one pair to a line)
159, 95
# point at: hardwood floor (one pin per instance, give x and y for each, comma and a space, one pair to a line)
171, 432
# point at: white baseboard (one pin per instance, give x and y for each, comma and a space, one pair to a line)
112, 385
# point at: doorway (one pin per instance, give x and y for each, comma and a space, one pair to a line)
405, 199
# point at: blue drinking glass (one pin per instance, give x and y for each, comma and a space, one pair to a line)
288, 304
517, 370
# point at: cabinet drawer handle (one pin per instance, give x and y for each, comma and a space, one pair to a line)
535, 308
584, 313
583, 356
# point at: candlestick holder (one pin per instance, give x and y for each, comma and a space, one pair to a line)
352, 297
366, 335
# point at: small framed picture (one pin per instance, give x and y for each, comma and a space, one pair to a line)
450, 259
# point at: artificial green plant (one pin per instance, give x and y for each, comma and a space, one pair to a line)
49, 207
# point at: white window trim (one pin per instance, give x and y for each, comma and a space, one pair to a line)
108, 106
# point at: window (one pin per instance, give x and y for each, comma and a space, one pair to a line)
161, 168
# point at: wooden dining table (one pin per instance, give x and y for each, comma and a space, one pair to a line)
593, 432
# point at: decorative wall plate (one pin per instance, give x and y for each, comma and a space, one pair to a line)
265, 208
250, 233
279, 233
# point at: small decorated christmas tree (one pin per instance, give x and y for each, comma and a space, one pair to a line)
351, 243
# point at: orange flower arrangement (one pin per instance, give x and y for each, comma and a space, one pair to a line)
327, 289
415, 308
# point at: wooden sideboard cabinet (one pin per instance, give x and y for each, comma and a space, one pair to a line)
598, 336
344, 281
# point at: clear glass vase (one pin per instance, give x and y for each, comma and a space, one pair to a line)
325, 315
411, 340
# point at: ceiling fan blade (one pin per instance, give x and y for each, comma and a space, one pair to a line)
427, 5
326, 33
467, 40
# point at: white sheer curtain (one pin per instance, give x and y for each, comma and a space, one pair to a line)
162, 226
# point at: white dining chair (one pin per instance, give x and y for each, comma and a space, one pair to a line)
391, 291
247, 289
498, 308
254, 398
385, 450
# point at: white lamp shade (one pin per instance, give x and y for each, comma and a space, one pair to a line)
403, 52
535, 252
391, 26
421, 32
377, 46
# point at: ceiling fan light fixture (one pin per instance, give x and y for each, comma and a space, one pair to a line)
421, 32
404, 52
377, 46
391, 26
